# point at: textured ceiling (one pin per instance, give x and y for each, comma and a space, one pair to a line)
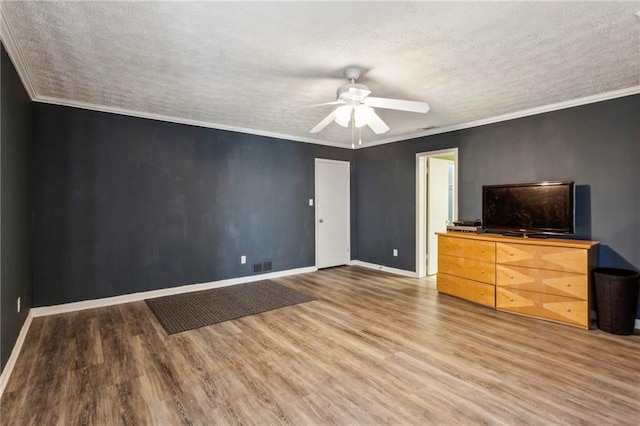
250, 66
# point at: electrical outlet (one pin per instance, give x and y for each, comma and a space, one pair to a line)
243, 259
257, 267
395, 252
18, 304
310, 202
266, 266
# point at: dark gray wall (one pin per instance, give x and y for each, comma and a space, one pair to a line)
386, 198
15, 207
124, 204
596, 145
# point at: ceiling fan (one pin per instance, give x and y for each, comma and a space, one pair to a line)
356, 106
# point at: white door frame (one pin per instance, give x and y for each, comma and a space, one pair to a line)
421, 203
315, 195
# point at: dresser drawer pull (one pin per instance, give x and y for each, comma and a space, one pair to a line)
568, 285
510, 300
568, 310
481, 294
511, 277
510, 254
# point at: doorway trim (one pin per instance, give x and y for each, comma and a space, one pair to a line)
421, 203
315, 203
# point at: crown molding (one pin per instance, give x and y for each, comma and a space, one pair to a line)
634, 90
180, 120
8, 40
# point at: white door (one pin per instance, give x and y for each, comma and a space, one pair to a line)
333, 225
437, 207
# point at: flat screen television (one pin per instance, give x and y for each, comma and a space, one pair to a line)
529, 208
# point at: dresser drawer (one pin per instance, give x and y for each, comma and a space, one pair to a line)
545, 306
484, 294
543, 257
471, 249
467, 268
543, 281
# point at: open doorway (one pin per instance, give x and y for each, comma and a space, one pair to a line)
436, 204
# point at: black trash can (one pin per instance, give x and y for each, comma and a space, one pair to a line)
616, 299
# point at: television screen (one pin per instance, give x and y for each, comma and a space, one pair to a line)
543, 207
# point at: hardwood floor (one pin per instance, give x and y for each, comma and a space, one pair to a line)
373, 349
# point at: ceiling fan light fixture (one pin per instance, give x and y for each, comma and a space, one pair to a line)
363, 114
357, 105
343, 115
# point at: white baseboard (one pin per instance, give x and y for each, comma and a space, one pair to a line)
134, 297
403, 272
116, 300
11, 362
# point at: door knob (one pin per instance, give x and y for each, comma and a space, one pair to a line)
321, 220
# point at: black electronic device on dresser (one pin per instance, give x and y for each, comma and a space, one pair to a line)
474, 226
538, 208
476, 222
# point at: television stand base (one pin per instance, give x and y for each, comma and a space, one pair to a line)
525, 235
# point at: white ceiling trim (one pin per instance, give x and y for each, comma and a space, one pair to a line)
497, 119
613, 26
179, 120
8, 40
634, 90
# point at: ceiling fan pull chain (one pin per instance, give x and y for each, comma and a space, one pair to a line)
353, 131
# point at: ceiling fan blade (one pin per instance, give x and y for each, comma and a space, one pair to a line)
377, 125
323, 104
411, 106
324, 123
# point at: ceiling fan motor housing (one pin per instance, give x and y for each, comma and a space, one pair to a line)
353, 92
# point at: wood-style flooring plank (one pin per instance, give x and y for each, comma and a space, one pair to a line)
374, 348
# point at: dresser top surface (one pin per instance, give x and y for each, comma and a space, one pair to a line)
550, 241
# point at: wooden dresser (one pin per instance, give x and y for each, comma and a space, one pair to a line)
544, 278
